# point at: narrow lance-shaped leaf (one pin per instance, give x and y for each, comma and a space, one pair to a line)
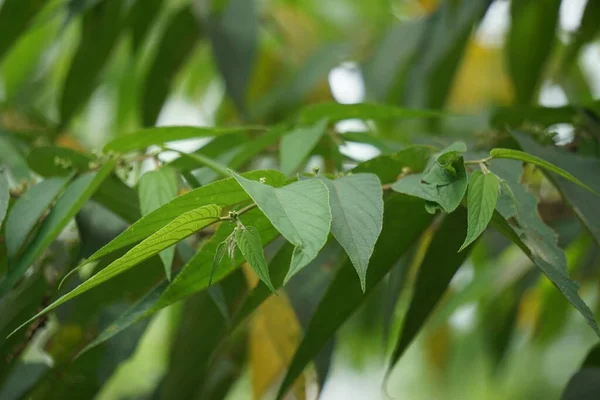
4, 195
522, 156
15, 17
28, 210
300, 212
297, 145
182, 227
405, 220
157, 188
249, 243
224, 193
68, 204
357, 217
482, 197
439, 265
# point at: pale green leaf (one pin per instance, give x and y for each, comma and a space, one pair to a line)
224, 193
300, 212
147, 137
482, 197
28, 210
157, 188
180, 228
67, 205
525, 157
413, 185
356, 203
249, 243
296, 146
451, 186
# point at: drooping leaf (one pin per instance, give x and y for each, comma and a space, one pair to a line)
440, 263
531, 22
57, 161
297, 145
525, 157
157, 188
335, 112
4, 195
234, 38
140, 19
193, 278
181, 35
224, 193
102, 26
248, 241
141, 139
584, 203
481, 202
356, 203
404, 221
15, 18
67, 205
535, 238
28, 210
180, 228
299, 211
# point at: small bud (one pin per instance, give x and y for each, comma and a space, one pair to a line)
262, 180
316, 170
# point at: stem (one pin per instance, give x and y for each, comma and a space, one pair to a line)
238, 213
480, 161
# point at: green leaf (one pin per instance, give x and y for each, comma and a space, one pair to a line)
297, 145
300, 212
146, 137
204, 161
525, 157
405, 219
587, 31
234, 37
531, 22
28, 211
440, 263
182, 33
389, 167
101, 28
119, 198
544, 116
140, 19
585, 383
67, 205
226, 192
193, 278
57, 161
451, 154
157, 188
15, 17
535, 238
335, 112
216, 148
249, 243
584, 203
12, 157
180, 228
413, 185
4, 195
356, 203
481, 203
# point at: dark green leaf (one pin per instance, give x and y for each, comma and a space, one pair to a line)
28, 211
585, 384
4, 195
140, 19
234, 37
181, 35
535, 238
335, 112
404, 221
119, 198
439, 265
525, 157
248, 241
15, 18
391, 166
57, 161
147, 137
157, 188
225, 193
296, 146
356, 203
101, 28
180, 228
544, 116
67, 205
481, 202
531, 22
299, 211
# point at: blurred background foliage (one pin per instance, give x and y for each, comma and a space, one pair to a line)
78, 73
